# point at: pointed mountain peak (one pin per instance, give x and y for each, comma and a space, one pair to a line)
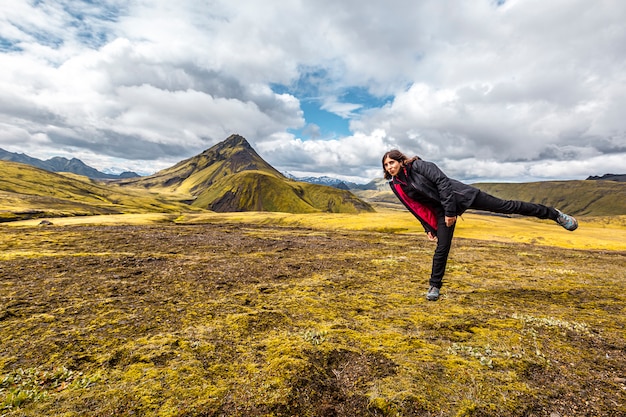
231, 176
230, 146
226, 158
236, 140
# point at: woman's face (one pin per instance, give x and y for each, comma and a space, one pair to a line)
392, 166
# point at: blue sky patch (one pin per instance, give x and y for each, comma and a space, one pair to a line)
328, 113
360, 95
320, 124
7, 45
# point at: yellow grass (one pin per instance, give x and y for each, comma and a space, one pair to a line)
606, 233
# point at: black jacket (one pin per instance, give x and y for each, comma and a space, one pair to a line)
424, 182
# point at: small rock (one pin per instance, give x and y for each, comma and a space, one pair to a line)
45, 223
620, 380
555, 414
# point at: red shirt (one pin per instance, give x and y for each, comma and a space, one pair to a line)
425, 212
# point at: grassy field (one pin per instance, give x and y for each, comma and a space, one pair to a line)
270, 314
594, 233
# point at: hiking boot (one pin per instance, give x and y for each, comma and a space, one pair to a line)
432, 294
567, 221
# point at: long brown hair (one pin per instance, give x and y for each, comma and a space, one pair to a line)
398, 156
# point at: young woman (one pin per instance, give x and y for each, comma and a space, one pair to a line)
436, 201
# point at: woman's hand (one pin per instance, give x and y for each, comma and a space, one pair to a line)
431, 237
450, 221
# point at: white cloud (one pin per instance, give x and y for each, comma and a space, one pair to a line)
345, 110
527, 90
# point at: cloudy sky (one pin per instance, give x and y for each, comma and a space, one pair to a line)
498, 90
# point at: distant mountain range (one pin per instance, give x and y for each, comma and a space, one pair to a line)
60, 164
609, 177
231, 177
334, 182
76, 166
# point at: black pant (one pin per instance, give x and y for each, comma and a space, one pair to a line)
440, 258
483, 202
486, 202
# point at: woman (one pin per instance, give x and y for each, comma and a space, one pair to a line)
437, 200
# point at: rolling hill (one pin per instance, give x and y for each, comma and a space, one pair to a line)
231, 176
578, 197
29, 192
60, 164
581, 198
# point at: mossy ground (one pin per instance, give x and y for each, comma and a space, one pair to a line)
239, 319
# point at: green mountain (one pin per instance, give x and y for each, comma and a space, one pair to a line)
260, 191
194, 175
231, 176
